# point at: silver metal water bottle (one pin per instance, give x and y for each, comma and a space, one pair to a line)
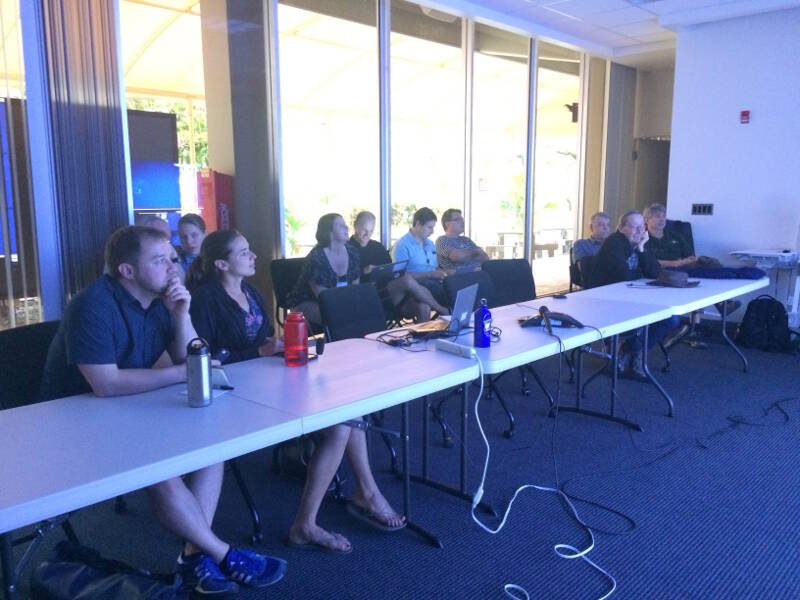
198, 372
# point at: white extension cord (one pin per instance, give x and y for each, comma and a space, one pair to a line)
512, 590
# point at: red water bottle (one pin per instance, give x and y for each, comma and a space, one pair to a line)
295, 339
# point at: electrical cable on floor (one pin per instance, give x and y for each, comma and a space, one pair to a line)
567, 551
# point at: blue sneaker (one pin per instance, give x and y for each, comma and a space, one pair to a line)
251, 568
201, 574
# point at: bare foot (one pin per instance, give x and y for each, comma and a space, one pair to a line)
317, 536
379, 508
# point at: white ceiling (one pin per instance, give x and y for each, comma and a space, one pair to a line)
638, 33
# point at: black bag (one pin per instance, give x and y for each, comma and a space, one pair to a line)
80, 573
765, 326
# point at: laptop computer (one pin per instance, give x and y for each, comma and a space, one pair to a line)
459, 316
383, 274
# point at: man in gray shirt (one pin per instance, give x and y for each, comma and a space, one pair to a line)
454, 250
600, 228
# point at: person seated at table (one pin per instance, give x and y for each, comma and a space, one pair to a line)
157, 222
599, 229
331, 263
623, 257
413, 299
673, 251
127, 333
454, 250
229, 313
420, 252
192, 231
669, 247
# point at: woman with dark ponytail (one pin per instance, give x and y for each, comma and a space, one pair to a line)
226, 311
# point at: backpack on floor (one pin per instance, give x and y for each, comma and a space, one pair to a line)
80, 573
765, 326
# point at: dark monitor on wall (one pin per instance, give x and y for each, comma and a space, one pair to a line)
155, 175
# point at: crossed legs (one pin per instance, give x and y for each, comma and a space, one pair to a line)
333, 444
186, 507
421, 297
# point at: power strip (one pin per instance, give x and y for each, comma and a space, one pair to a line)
453, 348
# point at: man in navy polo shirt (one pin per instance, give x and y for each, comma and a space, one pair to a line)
127, 333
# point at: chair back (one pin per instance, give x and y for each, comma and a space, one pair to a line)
682, 228
23, 354
574, 272
285, 272
512, 280
351, 311
459, 281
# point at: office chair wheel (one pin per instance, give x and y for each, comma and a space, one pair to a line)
256, 538
508, 434
447, 440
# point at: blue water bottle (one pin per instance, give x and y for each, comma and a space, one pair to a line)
483, 326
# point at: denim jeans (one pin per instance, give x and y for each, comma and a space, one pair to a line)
655, 333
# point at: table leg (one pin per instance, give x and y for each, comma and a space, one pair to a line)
727, 339
461, 492
649, 375
404, 436
579, 392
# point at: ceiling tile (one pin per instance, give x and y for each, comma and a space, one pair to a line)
641, 28
663, 7
581, 8
664, 36
620, 17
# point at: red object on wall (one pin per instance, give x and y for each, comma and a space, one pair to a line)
215, 199
744, 117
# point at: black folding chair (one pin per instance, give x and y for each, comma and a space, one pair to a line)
23, 353
350, 312
513, 281
284, 272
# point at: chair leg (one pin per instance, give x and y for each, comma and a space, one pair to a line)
69, 531
524, 390
508, 433
6, 558
377, 419
120, 505
437, 410
541, 385
570, 360
276, 458
665, 351
248, 500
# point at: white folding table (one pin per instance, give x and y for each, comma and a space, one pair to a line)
353, 378
62, 455
681, 301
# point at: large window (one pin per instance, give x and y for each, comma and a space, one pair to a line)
162, 61
499, 141
329, 115
556, 168
20, 296
427, 103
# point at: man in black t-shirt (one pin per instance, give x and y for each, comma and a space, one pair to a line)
412, 298
670, 248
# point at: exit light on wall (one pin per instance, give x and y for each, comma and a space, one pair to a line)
744, 117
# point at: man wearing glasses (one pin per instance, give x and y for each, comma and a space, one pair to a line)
623, 257
455, 250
